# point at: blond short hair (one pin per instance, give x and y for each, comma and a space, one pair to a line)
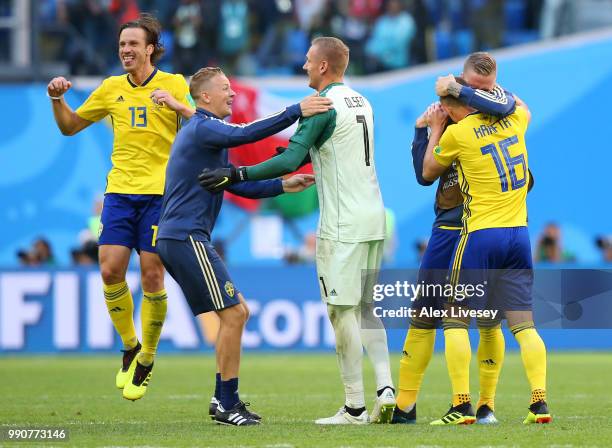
334, 51
480, 62
200, 78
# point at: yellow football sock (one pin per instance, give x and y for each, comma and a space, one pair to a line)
533, 353
418, 348
460, 399
458, 355
538, 395
491, 348
153, 314
121, 311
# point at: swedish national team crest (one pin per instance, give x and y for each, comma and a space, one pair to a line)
229, 288
156, 105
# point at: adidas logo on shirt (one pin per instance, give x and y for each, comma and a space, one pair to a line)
333, 293
119, 99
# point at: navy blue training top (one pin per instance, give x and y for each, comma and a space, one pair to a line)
189, 209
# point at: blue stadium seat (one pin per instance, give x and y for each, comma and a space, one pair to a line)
167, 40
273, 71
520, 37
296, 46
514, 14
458, 14
444, 45
434, 11
464, 42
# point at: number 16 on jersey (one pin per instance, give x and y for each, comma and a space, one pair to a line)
511, 162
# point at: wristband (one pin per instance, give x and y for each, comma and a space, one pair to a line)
241, 173
55, 97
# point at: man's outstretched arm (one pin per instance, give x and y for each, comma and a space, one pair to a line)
305, 137
257, 189
226, 135
68, 121
285, 163
498, 102
273, 187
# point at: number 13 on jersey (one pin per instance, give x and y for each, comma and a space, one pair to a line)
139, 116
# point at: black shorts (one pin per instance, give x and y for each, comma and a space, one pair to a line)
200, 272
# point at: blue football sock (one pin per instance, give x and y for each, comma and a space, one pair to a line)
229, 393
217, 386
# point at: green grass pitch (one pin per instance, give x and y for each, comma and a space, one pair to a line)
290, 391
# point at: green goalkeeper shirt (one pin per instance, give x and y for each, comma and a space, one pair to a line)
341, 145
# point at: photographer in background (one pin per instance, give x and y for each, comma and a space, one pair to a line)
604, 244
420, 245
549, 248
40, 254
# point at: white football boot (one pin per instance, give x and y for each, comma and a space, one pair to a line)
342, 417
383, 407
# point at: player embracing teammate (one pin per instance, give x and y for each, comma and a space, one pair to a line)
493, 249
485, 95
351, 229
492, 173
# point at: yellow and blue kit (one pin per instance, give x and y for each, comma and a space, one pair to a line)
492, 164
143, 134
493, 250
448, 205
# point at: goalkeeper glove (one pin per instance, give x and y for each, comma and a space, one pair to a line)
220, 178
282, 149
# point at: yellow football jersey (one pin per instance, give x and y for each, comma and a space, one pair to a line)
143, 131
491, 159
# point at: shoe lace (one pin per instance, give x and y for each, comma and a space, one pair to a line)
242, 405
